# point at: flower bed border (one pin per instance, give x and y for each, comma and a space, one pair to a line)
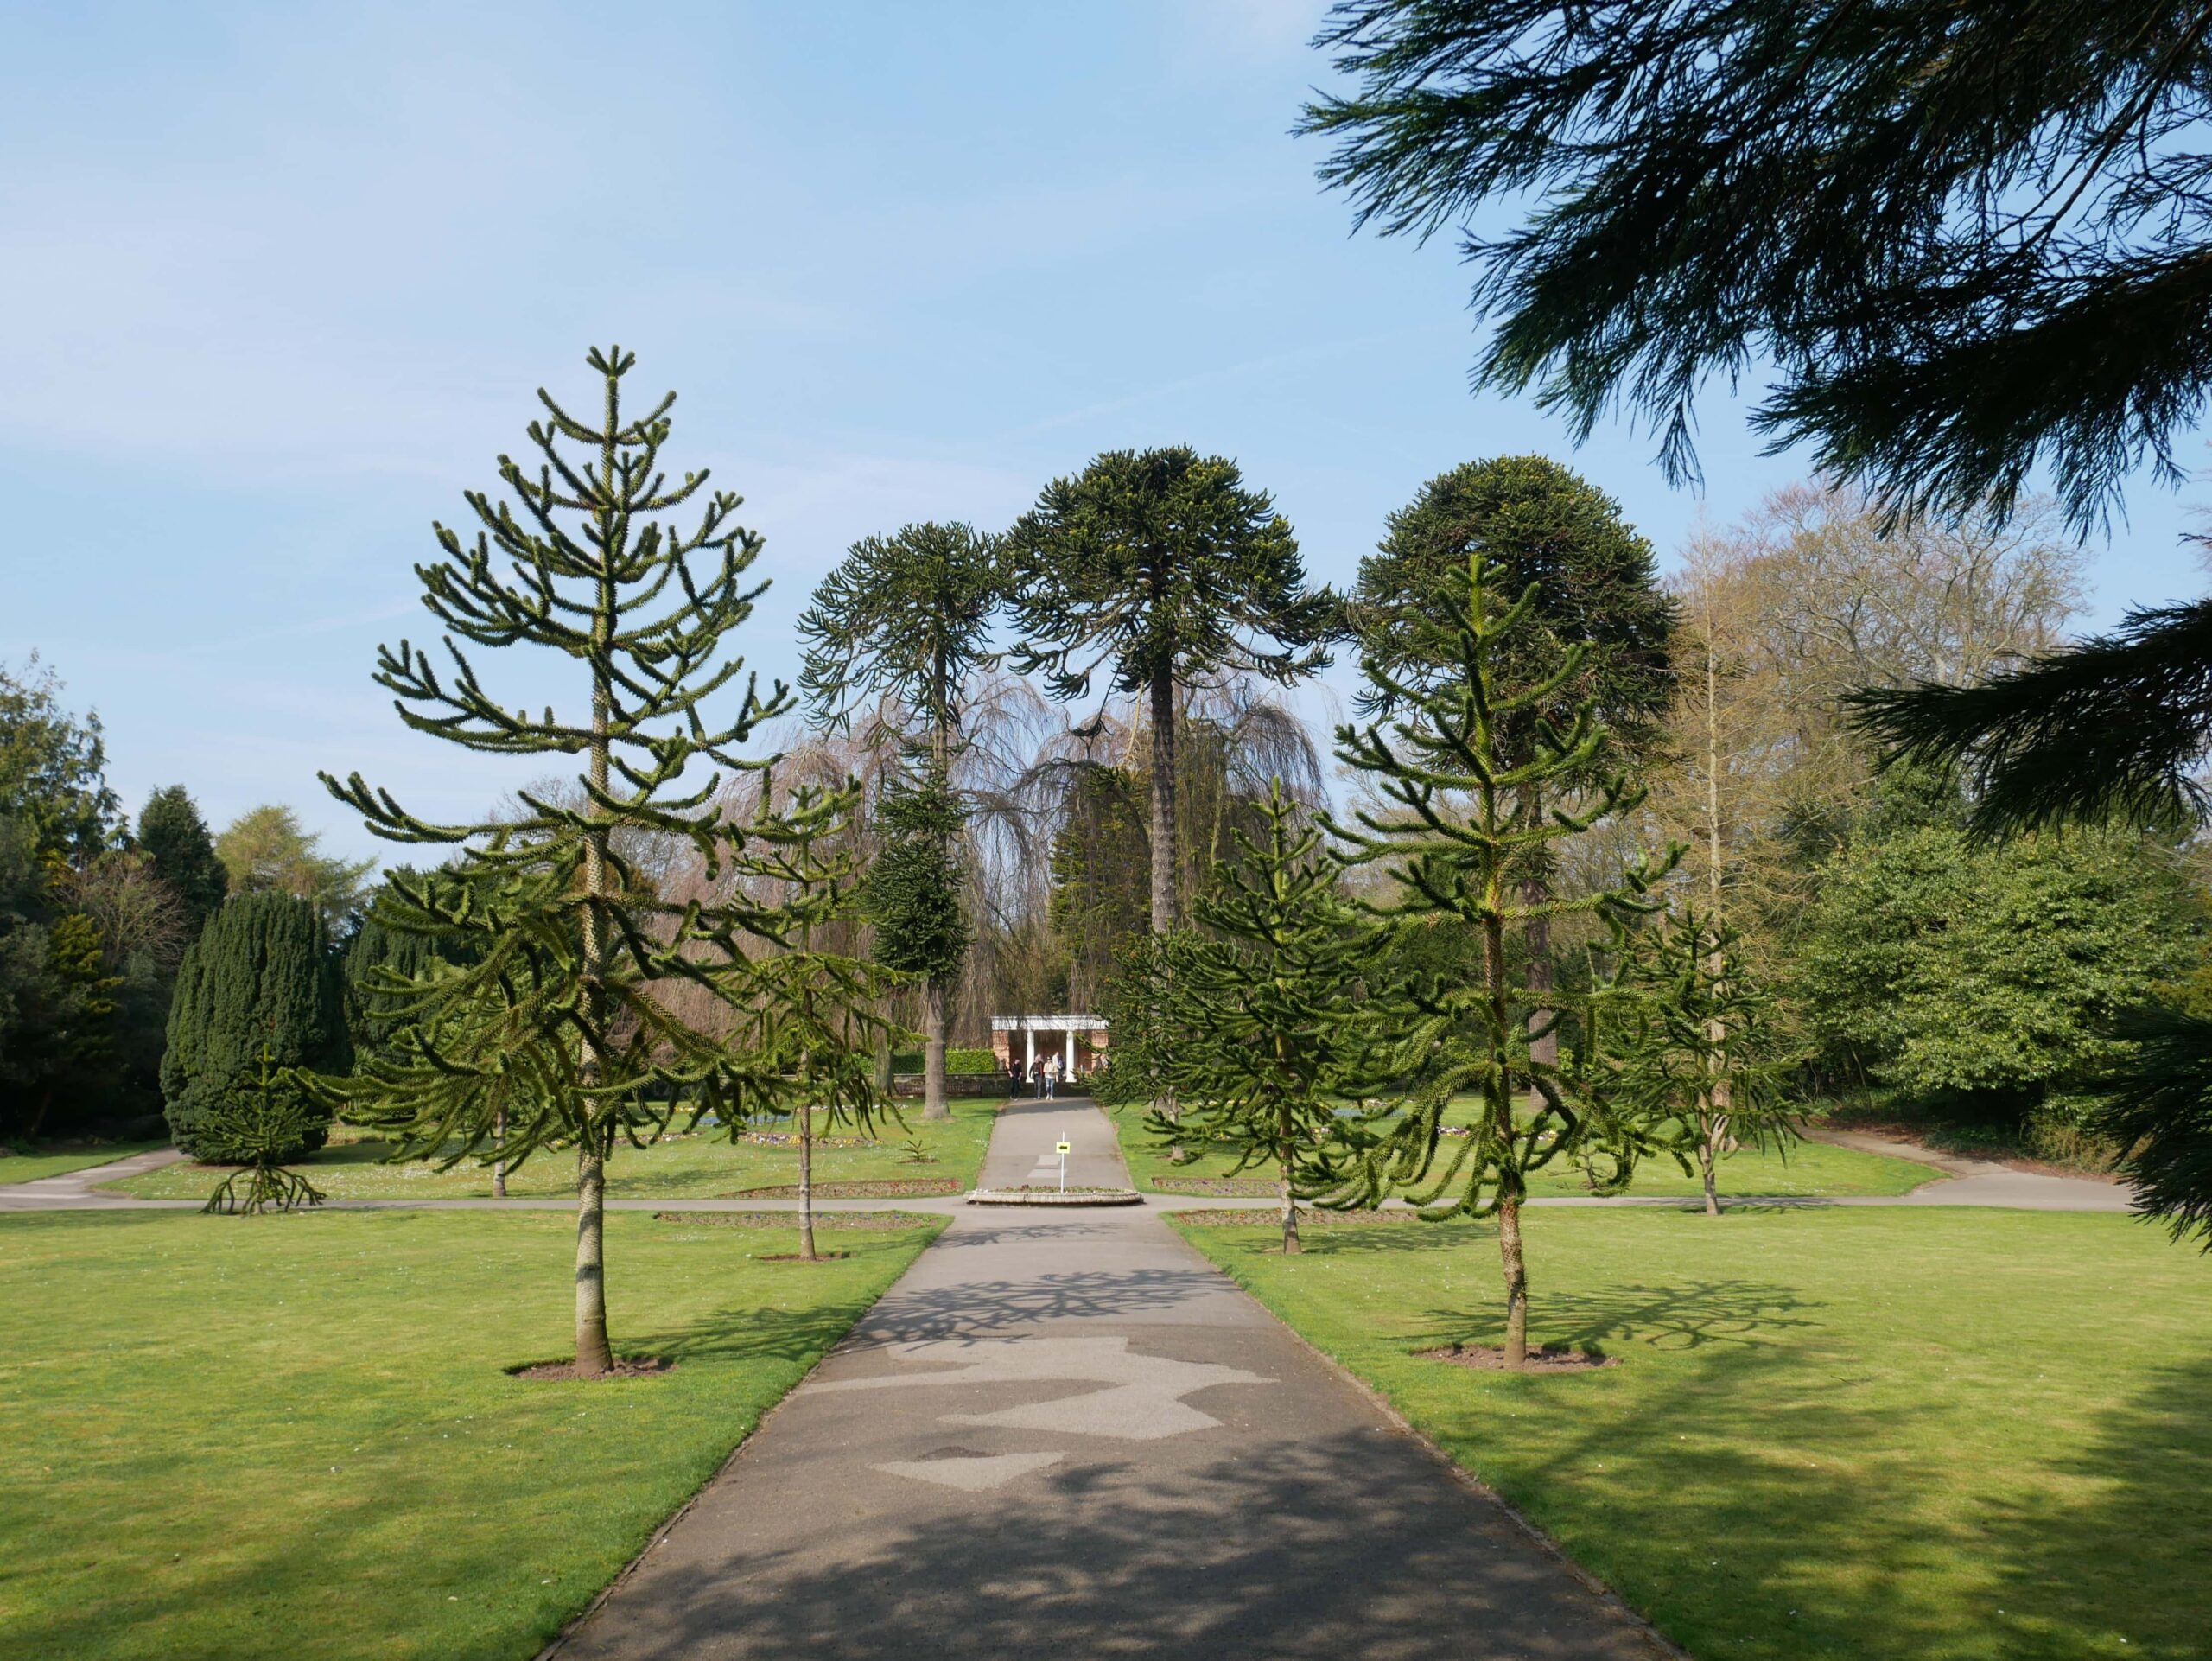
1055, 1197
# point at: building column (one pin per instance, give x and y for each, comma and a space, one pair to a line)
1070, 1064
1029, 1033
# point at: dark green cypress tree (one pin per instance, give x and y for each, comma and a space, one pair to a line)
1262, 994
260, 978
913, 898
177, 840
1456, 845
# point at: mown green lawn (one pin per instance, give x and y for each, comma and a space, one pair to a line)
294, 1437
1804, 1169
700, 1166
29, 1167
1934, 1433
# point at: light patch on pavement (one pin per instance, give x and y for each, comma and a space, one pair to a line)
1143, 1401
972, 1475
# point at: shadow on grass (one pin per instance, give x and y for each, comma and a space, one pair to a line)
2131, 1514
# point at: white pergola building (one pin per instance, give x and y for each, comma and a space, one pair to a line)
1080, 1039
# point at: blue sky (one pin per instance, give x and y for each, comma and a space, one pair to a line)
283, 280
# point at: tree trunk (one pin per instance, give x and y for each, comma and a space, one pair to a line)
1544, 1043
1708, 1151
594, 1357
805, 1180
1536, 935
1290, 1241
500, 1154
934, 1105
1517, 1283
1164, 910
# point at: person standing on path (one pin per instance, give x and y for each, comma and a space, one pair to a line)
1052, 1076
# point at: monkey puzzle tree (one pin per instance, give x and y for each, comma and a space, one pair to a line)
906, 618
1456, 845
805, 1019
1160, 567
1596, 587
563, 1006
1263, 995
1698, 1046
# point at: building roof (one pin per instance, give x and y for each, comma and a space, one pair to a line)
1048, 1023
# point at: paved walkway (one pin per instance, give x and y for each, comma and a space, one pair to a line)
1065, 1433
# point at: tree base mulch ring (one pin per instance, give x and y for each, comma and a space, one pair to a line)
1220, 1187
1491, 1358
626, 1366
1255, 1218
789, 1220
904, 1186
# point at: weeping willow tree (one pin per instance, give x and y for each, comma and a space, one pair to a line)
559, 1025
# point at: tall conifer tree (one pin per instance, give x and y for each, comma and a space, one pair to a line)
1262, 992
1160, 568
260, 982
1596, 586
1701, 1049
906, 618
561, 1018
183, 850
1456, 845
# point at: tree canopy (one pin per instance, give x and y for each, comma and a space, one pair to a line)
1159, 568
1971, 239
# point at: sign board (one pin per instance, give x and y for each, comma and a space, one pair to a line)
1061, 1149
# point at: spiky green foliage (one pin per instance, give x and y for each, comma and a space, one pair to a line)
1972, 239
2116, 727
906, 620
905, 617
176, 839
1597, 585
1146, 1031
1261, 999
261, 979
1158, 567
1455, 846
563, 1022
808, 1025
2158, 1112
1702, 1054
260, 1125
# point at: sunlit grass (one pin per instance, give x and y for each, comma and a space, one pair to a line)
294, 1436
703, 1165
1953, 1434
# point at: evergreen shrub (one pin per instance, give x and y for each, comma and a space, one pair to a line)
260, 978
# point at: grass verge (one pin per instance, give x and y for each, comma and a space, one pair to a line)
1810, 1168
700, 1166
1953, 1434
294, 1437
